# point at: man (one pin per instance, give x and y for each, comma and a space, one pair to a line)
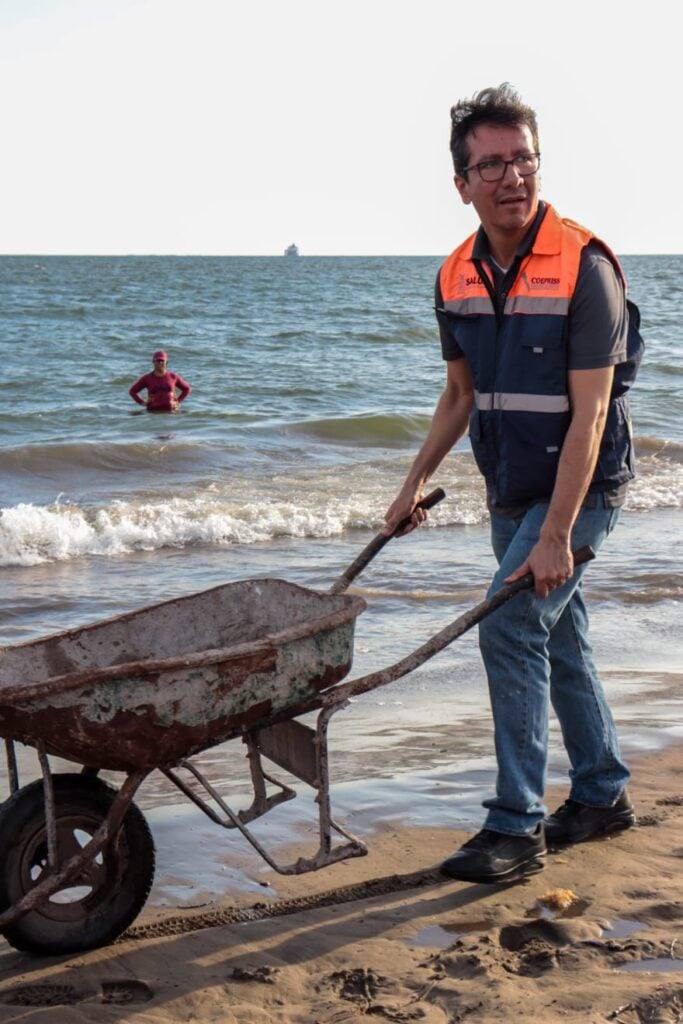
541, 349
161, 386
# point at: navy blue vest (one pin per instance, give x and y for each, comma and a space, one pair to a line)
518, 362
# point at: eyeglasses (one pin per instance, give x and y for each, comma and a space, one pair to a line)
495, 170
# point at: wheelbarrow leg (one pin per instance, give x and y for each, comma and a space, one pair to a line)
261, 804
323, 780
355, 846
49, 795
12, 770
303, 751
232, 818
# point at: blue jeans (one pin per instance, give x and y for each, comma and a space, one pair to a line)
535, 651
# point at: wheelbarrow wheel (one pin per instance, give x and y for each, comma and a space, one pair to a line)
93, 908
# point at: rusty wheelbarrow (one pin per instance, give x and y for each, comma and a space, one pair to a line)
147, 690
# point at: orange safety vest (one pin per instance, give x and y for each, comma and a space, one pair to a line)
519, 364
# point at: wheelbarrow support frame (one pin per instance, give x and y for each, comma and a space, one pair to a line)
303, 752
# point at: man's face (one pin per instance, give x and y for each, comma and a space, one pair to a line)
508, 205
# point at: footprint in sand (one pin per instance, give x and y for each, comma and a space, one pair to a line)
118, 992
126, 992
264, 974
553, 934
44, 995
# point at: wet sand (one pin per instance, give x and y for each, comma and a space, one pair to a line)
386, 935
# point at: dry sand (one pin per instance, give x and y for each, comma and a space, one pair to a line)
386, 937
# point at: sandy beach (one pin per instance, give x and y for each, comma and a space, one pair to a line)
594, 937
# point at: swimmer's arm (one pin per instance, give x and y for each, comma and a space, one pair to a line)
134, 392
183, 387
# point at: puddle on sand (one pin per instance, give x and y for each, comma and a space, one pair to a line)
441, 936
619, 928
660, 964
622, 927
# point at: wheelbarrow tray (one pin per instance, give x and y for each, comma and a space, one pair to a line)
145, 689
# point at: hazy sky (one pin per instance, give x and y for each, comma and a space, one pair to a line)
218, 127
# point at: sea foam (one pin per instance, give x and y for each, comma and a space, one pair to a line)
292, 505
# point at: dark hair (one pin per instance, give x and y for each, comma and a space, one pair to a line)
500, 105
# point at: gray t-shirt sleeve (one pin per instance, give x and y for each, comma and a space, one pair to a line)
598, 317
449, 346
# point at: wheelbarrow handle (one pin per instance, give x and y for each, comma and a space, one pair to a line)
580, 556
440, 640
378, 542
337, 695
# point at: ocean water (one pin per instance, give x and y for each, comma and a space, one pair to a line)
313, 384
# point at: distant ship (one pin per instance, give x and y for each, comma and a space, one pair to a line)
292, 250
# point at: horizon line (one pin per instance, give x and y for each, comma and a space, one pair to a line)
262, 255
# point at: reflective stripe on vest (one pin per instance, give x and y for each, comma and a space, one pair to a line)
513, 304
521, 403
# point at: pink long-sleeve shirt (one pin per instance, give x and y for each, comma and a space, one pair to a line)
161, 391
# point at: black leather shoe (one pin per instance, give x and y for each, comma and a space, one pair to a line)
496, 857
575, 823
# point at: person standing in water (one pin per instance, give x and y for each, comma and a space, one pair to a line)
165, 389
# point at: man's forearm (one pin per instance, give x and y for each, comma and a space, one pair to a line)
575, 472
449, 424
550, 559
589, 392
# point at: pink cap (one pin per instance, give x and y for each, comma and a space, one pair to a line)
159, 355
